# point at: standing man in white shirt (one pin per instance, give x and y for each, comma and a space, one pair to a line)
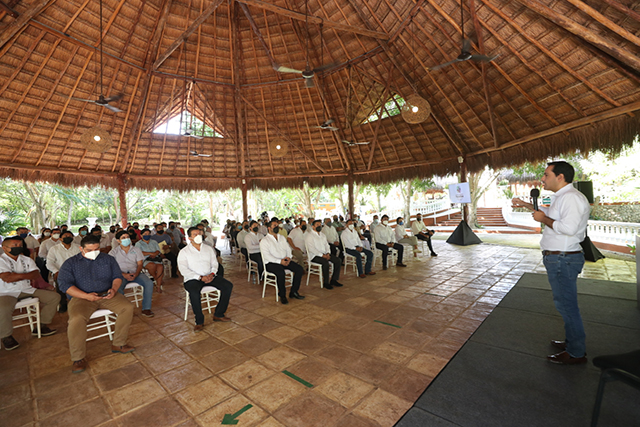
353, 246
318, 251
16, 274
296, 241
252, 244
565, 223
276, 254
420, 231
385, 239
199, 267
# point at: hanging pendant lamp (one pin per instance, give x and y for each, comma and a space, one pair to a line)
416, 109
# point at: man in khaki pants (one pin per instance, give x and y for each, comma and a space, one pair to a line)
92, 279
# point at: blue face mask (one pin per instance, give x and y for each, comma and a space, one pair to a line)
146, 237
83, 232
24, 235
125, 242
400, 223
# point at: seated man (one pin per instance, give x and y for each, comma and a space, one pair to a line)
130, 259
105, 242
331, 232
17, 271
199, 267
209, 240
276, 253
420, 231
252, 243
385, 239
319, 252
162, 237
82, 232
31, 242
353, 246
296, 241
56, 256
402, 237
240, 238
91, 280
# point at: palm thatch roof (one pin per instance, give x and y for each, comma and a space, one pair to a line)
566, 79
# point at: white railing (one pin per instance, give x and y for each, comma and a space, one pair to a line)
430, 207
617, 233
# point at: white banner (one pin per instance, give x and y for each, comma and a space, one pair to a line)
459, 193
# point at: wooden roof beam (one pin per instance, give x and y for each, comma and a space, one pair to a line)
606, 21
194, 25
32, 10
624, 9
315, 19
258, 34
8, 10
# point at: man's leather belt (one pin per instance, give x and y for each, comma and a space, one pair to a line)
560, 252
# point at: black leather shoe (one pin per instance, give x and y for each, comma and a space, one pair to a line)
296, 295
10, 343
560, 345
329, 286
434, 254
284, 300
565, 358
337, 284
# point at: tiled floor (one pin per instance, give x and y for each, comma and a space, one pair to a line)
353, 356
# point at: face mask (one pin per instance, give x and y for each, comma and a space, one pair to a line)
112, 230
246, 227
400, 223
385, 222
239, 227
92, 255
303, 227
276, 229
375, 220
146, 237
55, 236
47, 234
24, 235
419, 219
125, 242
135, 226
318, 229
350, 226
83, 232
160, 232
172, 227
67, 240
197, 240
255, 229
63, 229
16, 250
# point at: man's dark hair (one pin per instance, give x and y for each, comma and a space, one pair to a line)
21, 228
145, 230
314, 222
89, 239
84, 226
564, 168
94, 229
384, 216
159, 225
192, 229
273, 220
121, 233
8, 239
252, 222
200, 225
67, 231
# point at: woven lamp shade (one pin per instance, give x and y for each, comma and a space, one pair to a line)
96, 140
278, 148
416, 109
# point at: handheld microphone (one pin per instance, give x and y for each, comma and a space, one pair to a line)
535, 193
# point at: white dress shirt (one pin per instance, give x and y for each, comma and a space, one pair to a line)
240, 238
23, 264
384, 234
351, 239
31, 242
373, 226
252, 242
46, 246
273, 250
331, 233
570, 211
58, 254
400, 232
263, 230
317, 244
194, 263
418, 227
297, 237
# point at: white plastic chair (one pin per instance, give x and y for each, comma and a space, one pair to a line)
31, 307
377, 254
241, 259
315, 268
351, 260
253, 268
107, 319
208, 295
272, 280
135, 290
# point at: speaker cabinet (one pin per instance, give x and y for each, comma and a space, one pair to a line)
586, 188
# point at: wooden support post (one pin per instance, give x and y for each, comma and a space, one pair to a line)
351, 201
122, 196
245, 209
463, 178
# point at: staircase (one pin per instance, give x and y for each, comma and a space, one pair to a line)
487, 217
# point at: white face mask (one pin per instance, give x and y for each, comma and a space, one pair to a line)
47, 234
350, 226
55, 236
92, 255
385, 222
197, 240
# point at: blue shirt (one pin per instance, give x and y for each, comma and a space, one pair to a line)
162, 238
89, 276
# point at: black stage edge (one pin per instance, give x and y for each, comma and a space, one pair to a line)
501, 377
463, 235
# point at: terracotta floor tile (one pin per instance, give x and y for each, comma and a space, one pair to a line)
308, 344
146, 337
356, 340
349, 322
287, 317
310, 410
256, 346
268, 310
407, 384
427, 364
345, 389
188, 337
215, 415
174, 328
338, 356
63, 397
245, 317
16, 415
330, 332
271, 422
246, 375
263, 325
166, 360
392, 352
55, 380
203, 347
442, 348
53, 364
119, 377
410, 339
154, 348
204, 395
283, 334
127, 398
280, 358
275, 391
88, 414
15, 394
236, 335
164, 412
222, 360
371, 369
184, 376
312, 370
383, 407
308, 324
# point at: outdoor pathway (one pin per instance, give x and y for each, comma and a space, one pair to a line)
355, 356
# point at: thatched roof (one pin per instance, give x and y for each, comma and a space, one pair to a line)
566, 79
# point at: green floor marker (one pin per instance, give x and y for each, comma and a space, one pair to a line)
297, 378
388, 324
230, 419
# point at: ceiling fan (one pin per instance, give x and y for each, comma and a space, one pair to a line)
327, 125
102, 100
308, 72
349, 143
465, 52
194, 153
191, 133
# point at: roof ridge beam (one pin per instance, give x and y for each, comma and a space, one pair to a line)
32, 10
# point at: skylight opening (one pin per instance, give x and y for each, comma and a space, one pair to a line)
391, 108
190, 124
